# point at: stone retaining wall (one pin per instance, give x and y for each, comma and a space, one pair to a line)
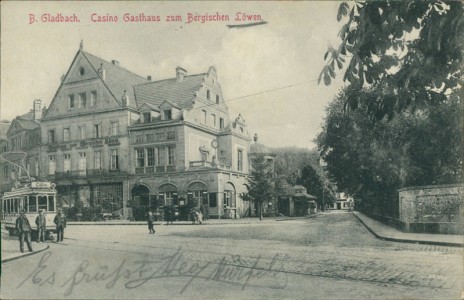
432, 209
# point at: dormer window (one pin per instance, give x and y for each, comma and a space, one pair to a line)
147, 117
167, 114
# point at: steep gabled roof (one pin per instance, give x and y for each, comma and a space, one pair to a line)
23, 124
117, 79
27, 124
178, 93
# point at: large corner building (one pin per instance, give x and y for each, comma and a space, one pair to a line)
112, 136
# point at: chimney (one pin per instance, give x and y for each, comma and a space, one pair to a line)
149, 77
115, 62
255, 137
180, 74
37, 110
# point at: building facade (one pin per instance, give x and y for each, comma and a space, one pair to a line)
111, 137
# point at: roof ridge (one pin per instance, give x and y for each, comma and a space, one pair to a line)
166, 79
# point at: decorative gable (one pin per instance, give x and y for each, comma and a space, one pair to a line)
82, 90
80, 70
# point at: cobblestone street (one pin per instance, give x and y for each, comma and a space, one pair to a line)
331, 256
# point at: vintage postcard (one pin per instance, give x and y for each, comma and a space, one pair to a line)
225, 150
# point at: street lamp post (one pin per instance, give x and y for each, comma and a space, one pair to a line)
323, 164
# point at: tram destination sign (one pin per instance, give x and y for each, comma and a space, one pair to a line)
40, 185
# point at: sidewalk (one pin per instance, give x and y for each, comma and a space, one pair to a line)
10, 247
385, 232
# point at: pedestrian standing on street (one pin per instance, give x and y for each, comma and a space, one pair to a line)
151, 219
24, 229
41, 223
168, 214
60, 222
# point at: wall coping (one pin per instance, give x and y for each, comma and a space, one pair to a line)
427, 187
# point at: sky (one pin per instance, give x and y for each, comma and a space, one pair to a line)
268, 72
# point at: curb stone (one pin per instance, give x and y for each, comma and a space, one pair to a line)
449, 244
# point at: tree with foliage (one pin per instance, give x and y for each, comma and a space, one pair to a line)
371, 159
261, 186
316, 186
409, 53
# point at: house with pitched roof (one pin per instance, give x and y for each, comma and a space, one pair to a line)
84, 131
112, 136
22, 135
186, 149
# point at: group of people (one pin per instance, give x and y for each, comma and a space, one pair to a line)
24, 229
170, 215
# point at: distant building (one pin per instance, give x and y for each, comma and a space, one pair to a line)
297, 203
111, 136
343, 202
23, 135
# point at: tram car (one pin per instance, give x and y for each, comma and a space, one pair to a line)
31, 198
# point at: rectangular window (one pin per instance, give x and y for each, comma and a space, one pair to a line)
239, 160
150, 157
217, 99
170, 135
66, 162
160, 157
93, 98
51, 164
221, 123
213, 120
28, 166
97, 160
147, 117
82, 161
114, 128
82, 100
140, 157
97, 131
71, 101
114, 163
82, 132
171, 155
203, 117
51, 136
208, 95
66, 134
167, 114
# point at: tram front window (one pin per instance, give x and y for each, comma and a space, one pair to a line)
32, 204
42, 202
51, 203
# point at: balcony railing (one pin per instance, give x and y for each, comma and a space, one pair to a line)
154, 170
201, 164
